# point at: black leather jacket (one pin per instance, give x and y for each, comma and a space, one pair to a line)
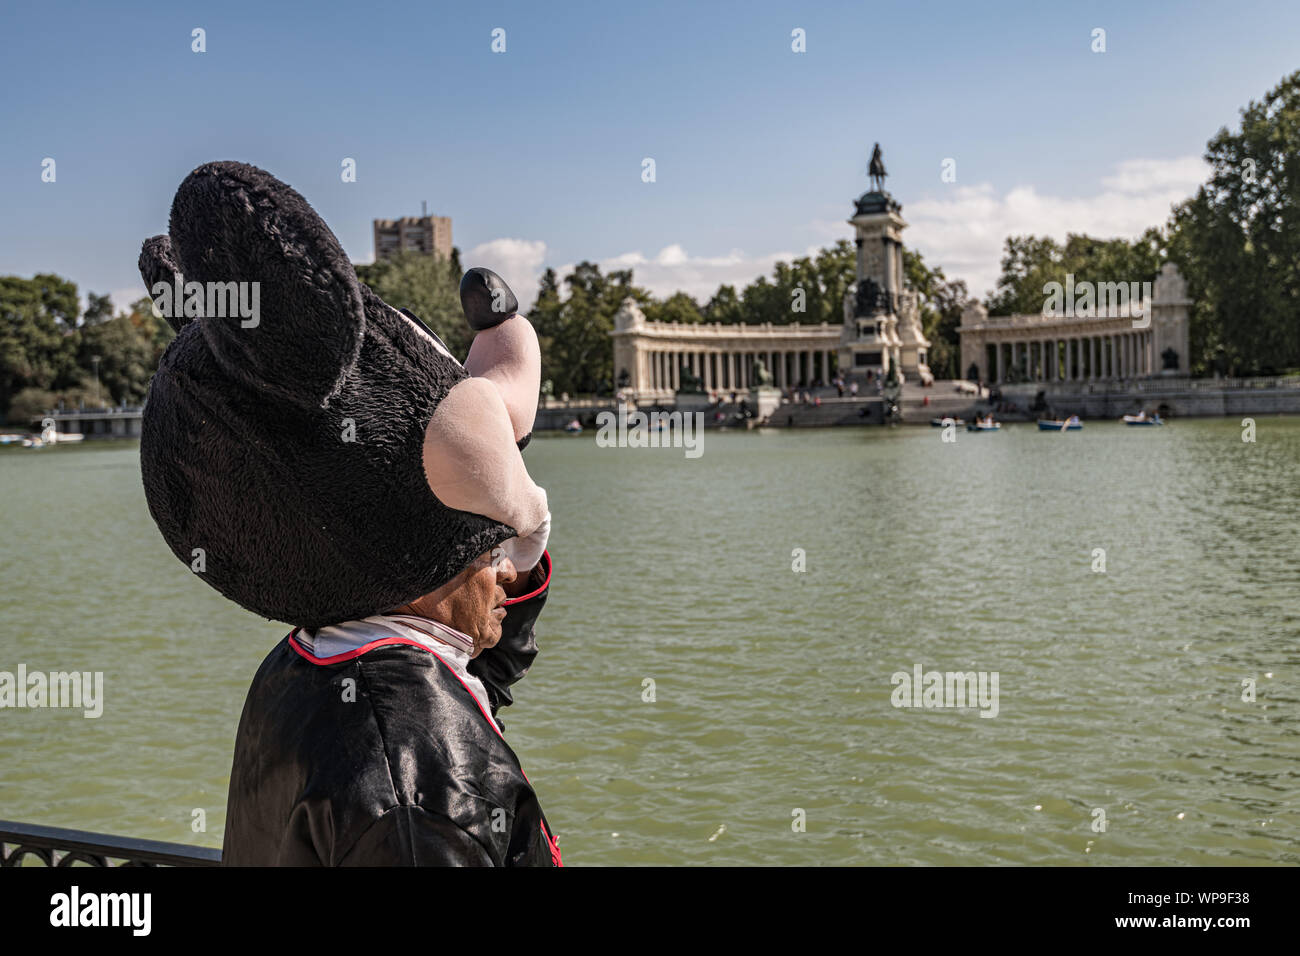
403, 769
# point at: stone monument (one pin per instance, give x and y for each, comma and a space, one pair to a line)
1170, 320
882, 318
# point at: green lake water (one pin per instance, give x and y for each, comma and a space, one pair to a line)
1118, 691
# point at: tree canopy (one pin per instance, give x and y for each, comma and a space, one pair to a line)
1237, 240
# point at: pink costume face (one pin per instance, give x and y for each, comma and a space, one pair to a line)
471, 458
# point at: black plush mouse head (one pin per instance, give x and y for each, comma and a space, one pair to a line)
311, 452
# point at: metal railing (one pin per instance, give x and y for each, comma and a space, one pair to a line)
55, 846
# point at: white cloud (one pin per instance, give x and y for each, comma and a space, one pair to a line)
122, 298
1146, 175
673, 269
518, 261
964, 232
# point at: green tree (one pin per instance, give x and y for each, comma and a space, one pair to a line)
577, 351
426, 285
809, 291
126, 359
724, 306
678, 307
941, 301
37, 334
1031, 262
99, 308
1237, 241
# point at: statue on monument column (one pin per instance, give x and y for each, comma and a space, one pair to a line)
869, 297
876, 170
762, 377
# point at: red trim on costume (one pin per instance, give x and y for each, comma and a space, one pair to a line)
350, 655
553, 843
546, 556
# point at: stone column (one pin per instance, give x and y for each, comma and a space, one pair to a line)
1000, 370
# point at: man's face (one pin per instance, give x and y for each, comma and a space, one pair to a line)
471, 601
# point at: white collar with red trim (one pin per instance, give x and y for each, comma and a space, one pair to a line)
448, 644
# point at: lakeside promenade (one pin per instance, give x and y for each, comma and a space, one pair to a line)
1171, 397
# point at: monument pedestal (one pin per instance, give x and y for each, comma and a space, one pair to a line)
691, 401
764, 399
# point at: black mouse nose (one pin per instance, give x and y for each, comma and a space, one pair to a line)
486, 299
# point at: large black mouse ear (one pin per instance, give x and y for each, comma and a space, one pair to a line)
281, 305
159, 271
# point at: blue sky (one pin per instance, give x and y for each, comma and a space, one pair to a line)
536, 152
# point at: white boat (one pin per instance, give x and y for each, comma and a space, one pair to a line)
1142, 418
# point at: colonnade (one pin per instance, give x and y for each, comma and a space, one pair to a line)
1086, 358
726, 369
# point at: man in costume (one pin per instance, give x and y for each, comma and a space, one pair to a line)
329, 463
